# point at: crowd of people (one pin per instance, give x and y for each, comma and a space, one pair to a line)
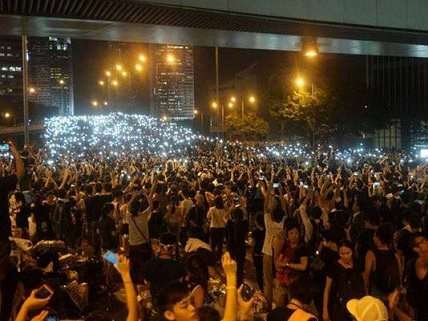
219, 231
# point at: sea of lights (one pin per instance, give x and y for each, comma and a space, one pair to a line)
114, 135
118, 135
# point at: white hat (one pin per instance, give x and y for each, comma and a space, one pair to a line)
367, 308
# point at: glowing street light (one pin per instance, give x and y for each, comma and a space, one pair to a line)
214, 105
61, 82
105, 103
230, 105
108, 73
94, 103
124, 73
300, 82
195, 111
311, 53
138, 67
7, 115
114, 82
170, 58
101, 83
251, 99
233, 99
142, 57
164, 118
119, 67
31, 90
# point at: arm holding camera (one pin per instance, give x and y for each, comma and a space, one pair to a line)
33, 303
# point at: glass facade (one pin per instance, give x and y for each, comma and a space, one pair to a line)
398, 89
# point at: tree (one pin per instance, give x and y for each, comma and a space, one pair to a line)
250, 128
304, 110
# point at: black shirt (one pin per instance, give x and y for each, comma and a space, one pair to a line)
7, 185
259, 237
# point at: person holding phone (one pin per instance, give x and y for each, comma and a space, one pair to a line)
38, 299
8, 273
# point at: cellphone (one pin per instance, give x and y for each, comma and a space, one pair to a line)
247, 292
44, 292
111, 257
52, 317
4, 148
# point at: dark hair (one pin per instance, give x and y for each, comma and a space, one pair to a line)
207, 313
218, 202
237, 215
345, 243
171, 294
277, 214
385, 233
301, 290
290, 224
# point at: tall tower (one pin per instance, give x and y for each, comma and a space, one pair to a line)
173, 82
51, 74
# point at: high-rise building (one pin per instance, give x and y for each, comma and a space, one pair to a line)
11, 77
51, 74
173, 82
50, 77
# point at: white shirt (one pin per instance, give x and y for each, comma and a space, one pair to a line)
217, 217
272, 229
193, 245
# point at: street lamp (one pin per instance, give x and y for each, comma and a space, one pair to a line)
108, 73
230, 105
119, 67
101, 82
32, 90
195, 112
142, 57
233, 99
311, 53
94, 103
114, 82
138, 67
251, 99
7, 115
214, 105
124, 73
164, 118
105, 103
300, 82
170, 58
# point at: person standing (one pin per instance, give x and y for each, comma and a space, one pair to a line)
217, 216
417, 277
258, 236
8, 273
344, 282
236, 235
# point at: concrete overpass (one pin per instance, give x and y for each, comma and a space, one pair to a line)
374, 27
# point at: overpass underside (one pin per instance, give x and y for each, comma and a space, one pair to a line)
141, 21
